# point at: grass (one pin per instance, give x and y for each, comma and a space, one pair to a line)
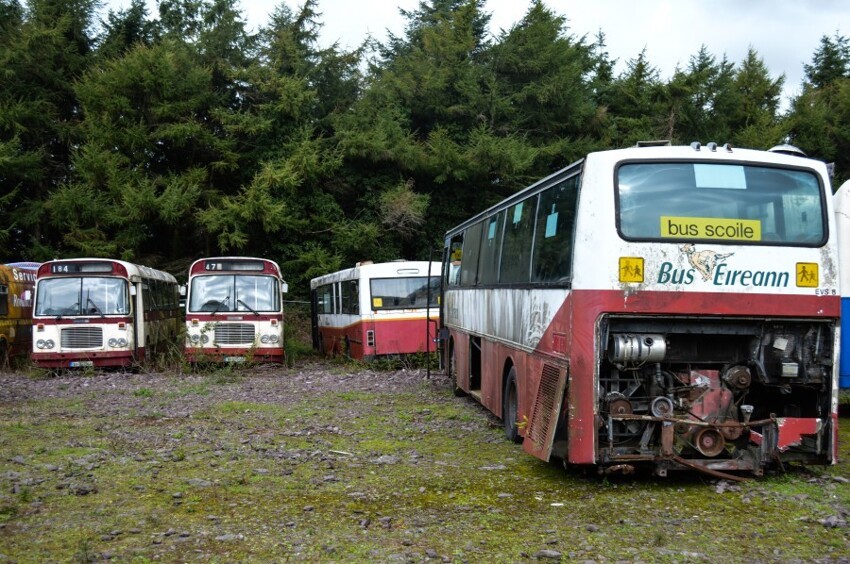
359, 475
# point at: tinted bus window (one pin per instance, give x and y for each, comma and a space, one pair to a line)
516, 248
350, 297
454, 260
553, 239
488, 264
471, 246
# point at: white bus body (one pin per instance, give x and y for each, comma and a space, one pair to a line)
93, 312
234, 310
376, 309
670, 307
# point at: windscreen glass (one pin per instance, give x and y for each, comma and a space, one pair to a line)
720, 202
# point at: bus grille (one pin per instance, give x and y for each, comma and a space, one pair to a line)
82, 337
234, 334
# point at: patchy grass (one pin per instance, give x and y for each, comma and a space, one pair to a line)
197, 468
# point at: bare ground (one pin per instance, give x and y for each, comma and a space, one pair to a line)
329, 461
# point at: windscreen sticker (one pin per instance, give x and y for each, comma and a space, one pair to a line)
730, 177
377, 302
517, 213
710, 228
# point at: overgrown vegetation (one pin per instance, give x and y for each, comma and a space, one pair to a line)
187, 135
307, 463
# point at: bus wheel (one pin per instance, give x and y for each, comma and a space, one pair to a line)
510, 402
451, 367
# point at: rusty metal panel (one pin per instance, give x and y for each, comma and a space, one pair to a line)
540, 435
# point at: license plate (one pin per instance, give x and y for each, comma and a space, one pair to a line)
234, 359
81, 363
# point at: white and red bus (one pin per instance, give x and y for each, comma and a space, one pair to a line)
234, 310
660, 307
376, 309
95, 312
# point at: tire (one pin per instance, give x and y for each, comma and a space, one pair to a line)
510, 408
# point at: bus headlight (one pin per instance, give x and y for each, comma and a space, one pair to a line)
122, 342
41, 343
273, 339
113, 342
205, 339
195, 337
264, 339
49, 343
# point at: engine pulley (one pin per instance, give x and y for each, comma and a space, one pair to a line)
661, 407
709, 442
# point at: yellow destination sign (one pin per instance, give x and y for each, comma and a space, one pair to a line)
710, 228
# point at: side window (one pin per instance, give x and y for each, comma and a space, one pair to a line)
471, 247
553, 239
516, 248
453, 261
491, 243
350, 299
325, 299
147, 296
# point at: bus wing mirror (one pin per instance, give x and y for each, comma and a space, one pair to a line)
284, 288
183, 290
132, 290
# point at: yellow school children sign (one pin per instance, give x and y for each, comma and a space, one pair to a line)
710, 228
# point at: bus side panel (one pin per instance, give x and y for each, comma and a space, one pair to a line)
400, 336
460, 348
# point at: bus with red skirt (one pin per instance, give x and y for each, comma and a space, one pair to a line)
655, 307
96, 312
376, 309
234, 310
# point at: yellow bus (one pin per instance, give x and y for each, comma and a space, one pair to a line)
16, 288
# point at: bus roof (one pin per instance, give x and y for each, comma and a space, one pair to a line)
393, 269
200, 266
131, 268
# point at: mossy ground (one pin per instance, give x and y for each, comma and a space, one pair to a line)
328, 463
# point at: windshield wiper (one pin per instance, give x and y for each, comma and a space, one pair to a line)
97, 309
220, 304
239, 301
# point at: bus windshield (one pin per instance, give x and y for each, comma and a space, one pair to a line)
231, 293
681, 201
404, 293
82, 296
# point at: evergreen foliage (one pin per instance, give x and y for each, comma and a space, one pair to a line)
164, 137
